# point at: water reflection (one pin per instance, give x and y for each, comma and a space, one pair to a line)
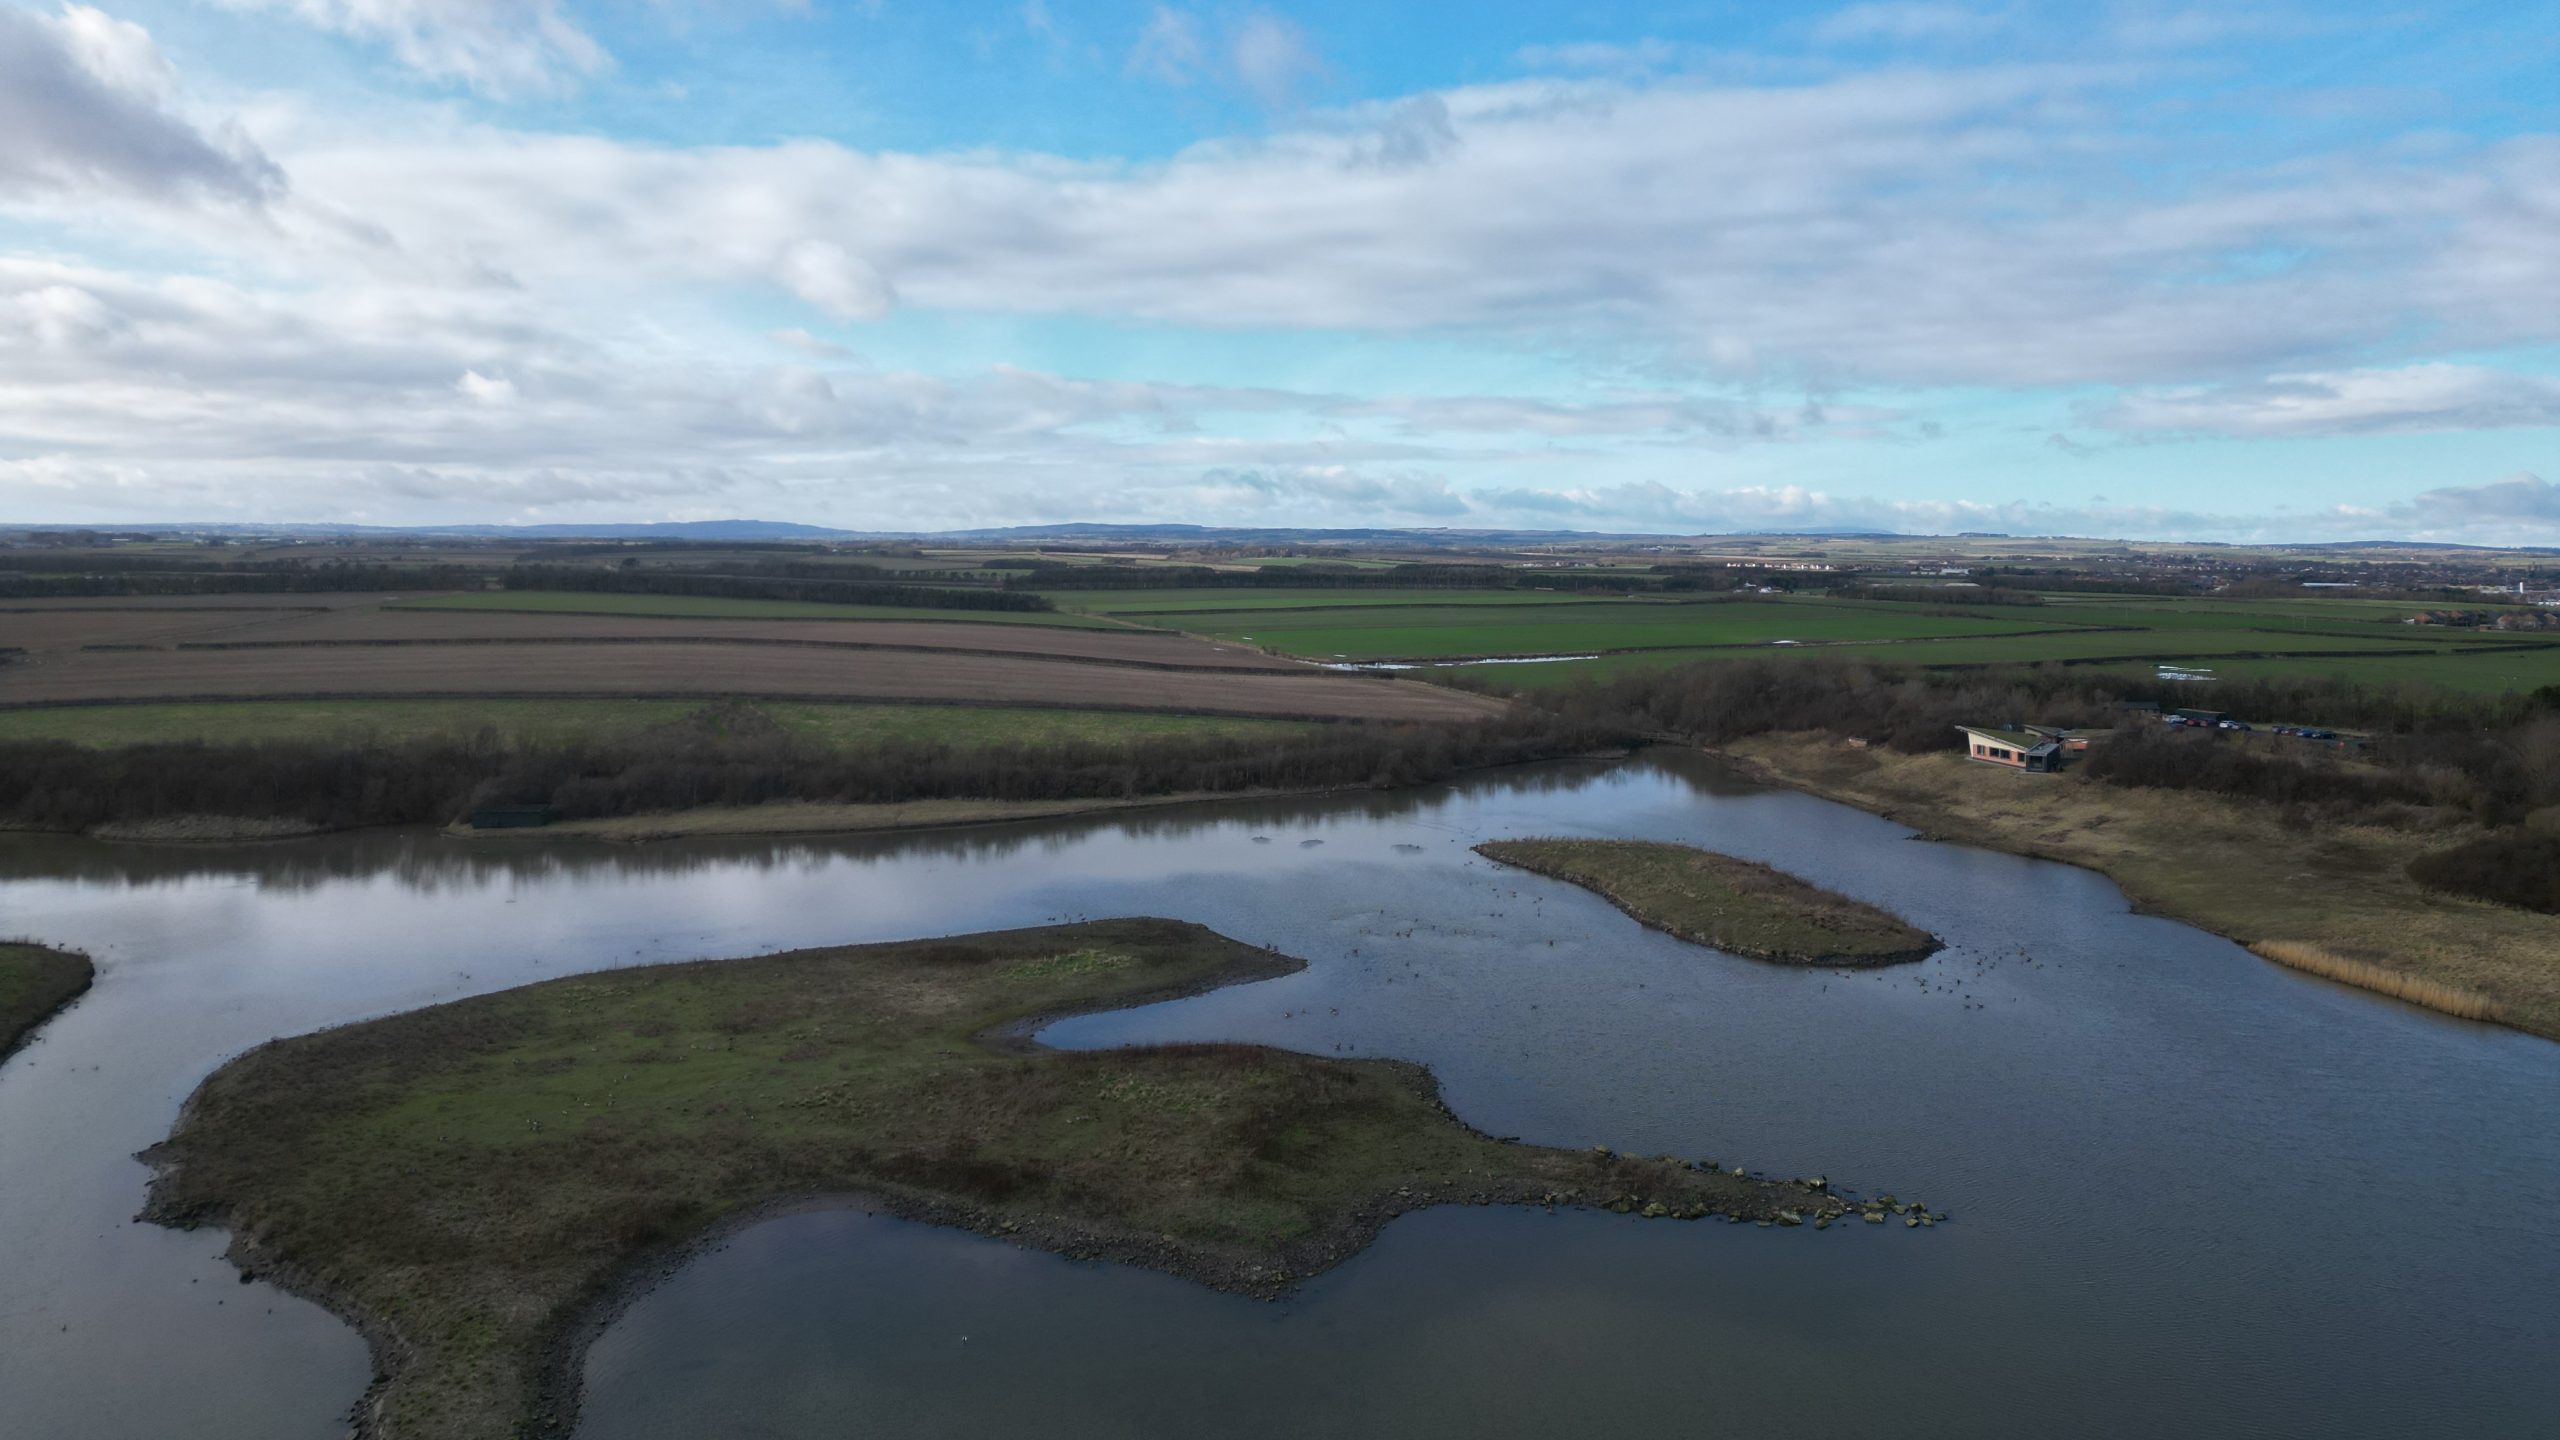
428, 860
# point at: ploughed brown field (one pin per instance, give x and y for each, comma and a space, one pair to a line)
302, 646
256, 600
71, 629
349, 627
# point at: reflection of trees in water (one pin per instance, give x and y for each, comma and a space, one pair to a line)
430, 861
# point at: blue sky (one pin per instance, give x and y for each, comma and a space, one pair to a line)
2238, 272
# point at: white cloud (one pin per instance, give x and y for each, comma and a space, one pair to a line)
843, 285
1603, 57
1170, 48
1903, 227
498, 47
2522, 500
795, 338
537, 320
1267, 56
2408, 399
1415, 131
1273, 59
1905, 21
87, 102
487, 389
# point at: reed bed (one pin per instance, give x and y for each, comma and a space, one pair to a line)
2364, 974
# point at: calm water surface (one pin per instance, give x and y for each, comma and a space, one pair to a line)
2191, 1191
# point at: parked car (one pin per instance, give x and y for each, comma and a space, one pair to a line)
2235, 725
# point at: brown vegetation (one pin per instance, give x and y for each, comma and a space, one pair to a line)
35, 981
64, 629
2366, 975
2250, 871
1731, 904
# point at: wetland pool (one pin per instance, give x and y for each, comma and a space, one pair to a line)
2190, 1190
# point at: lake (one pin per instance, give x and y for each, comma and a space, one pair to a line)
2190, 1190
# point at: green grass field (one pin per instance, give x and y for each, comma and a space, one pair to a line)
713, 607
1166, 606
2478, 671
1365, 625
2485, 668
538, 721
1404, 632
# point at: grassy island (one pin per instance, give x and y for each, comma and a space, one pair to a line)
477, 1185
1733, 905
35, 982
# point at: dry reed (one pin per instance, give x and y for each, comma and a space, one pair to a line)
2365, 975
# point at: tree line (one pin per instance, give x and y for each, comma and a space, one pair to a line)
764, 587
719, 758
290, 579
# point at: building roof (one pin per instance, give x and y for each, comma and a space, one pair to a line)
2018, 739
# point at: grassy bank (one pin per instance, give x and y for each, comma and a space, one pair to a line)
466, 1181
35, 982
1733, 905
2234, 867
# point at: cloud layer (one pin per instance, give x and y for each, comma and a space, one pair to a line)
86, 105
406, 311
499, 47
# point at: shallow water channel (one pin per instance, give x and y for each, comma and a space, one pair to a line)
2192, 1192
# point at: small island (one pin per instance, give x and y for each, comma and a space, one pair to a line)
1733, 905
480, 1185
36, 981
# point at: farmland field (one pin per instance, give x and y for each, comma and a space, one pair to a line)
1358, 625
2385, 653
2486, 671
366, 648
1203, 601
570, 602
403, 626
1404, 632
688, 670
